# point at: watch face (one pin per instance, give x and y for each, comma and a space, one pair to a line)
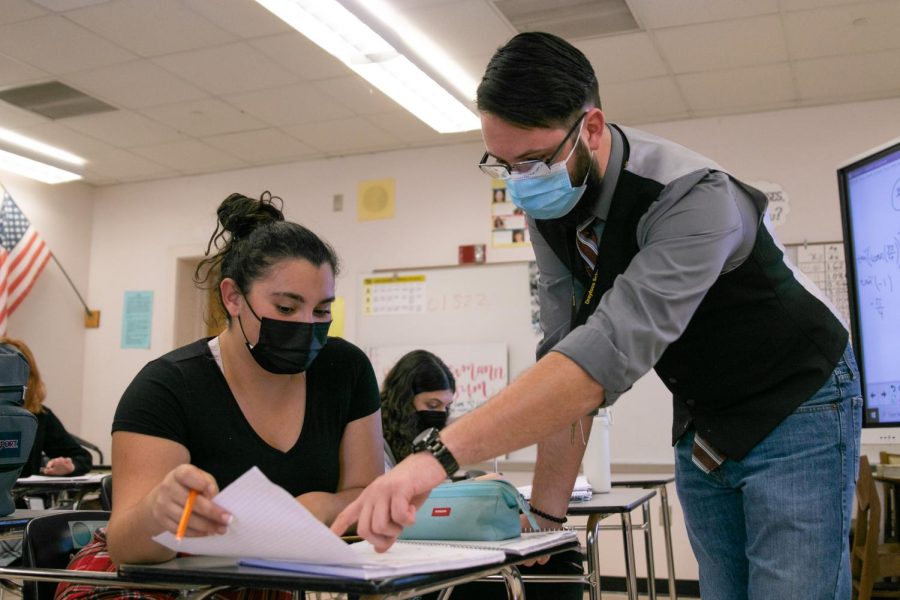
425, 437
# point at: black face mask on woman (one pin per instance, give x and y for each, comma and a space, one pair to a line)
431, 418
286, 347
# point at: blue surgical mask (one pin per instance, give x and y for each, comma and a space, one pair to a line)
547, 196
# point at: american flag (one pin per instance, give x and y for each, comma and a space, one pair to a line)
23, 255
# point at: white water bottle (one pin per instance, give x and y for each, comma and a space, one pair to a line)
595, 463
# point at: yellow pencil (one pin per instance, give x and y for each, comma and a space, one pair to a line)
186, 515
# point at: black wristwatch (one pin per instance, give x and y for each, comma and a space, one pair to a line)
429, 440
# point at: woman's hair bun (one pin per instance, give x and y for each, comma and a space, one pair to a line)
240, 215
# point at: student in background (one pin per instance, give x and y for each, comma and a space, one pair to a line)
416, 394
271, 391
651, 255
65, 456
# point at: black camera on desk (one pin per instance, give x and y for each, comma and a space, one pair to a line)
17, 425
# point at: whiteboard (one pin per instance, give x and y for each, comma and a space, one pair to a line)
481, 370
468, 304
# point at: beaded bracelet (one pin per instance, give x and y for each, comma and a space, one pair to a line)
544, 515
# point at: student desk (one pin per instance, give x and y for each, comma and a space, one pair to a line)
621, 501
659, 482
210, 574
58, 487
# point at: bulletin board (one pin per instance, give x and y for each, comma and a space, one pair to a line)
823, 263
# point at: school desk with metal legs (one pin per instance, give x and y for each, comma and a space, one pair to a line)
659, 482
210, 574
621, 501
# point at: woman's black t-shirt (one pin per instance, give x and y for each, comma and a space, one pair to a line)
183, 396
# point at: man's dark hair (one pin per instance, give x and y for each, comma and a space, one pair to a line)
538, 80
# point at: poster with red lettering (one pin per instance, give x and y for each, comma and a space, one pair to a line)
480, 370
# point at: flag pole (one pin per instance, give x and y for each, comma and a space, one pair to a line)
88, 312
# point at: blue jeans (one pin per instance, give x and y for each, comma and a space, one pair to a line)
776, 524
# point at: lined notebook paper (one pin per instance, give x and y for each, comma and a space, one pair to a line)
272, 528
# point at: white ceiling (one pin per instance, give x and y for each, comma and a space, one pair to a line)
211, 85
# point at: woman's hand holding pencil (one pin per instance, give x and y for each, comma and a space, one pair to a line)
184, 503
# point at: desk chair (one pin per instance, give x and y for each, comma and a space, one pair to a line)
871, 561
94, 448
891, 518
51, 541
106, 492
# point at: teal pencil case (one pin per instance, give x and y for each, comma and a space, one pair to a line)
485, 509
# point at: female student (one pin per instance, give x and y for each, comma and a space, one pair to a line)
65, 455
272, 390
416, 394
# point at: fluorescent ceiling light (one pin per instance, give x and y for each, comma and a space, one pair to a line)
342, 34
18, 164
36, 160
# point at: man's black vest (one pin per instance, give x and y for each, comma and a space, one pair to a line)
758, 346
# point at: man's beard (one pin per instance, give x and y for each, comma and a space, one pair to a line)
584, 164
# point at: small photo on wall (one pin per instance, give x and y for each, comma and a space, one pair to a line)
508, 226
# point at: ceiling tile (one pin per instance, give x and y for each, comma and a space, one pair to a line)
14, 73
19, 10
122, 165
64, 47
123, 129
204, 117
61, 136
343, 136
64, 5
13, 116
189, 157
290, 105
406, 127
848, 78
723, 45
227, 69
463, 27
787, 5
643, 101
296, 53
246, 19
606, 55
748, 88
357, 94
670, 13
137, 84
843, 29
150, 28
262, 146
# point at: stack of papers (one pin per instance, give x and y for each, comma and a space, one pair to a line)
581, 491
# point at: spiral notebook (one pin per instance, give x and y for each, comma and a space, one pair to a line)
271, 529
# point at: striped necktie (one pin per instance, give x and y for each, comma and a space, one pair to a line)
705, 456
586, 241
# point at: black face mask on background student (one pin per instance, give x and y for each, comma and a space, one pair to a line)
286, 347
431, 418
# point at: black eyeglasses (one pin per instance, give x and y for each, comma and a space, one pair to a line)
527, 168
